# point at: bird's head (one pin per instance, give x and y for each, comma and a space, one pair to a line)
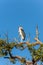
20, 28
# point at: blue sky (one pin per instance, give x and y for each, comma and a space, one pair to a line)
27, 13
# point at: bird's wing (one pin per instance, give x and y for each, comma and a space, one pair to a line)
23, 33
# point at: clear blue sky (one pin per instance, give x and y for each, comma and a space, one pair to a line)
27, 13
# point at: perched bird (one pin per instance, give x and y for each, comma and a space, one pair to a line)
37, 32
21, 33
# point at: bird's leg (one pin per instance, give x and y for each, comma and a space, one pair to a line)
21, 40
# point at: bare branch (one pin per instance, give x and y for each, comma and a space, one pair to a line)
22, 60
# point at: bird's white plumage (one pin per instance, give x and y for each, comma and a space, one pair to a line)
22, 33
37, 32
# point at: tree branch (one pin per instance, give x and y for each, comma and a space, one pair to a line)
22, 60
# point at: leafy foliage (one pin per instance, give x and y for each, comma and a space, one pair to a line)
36, 54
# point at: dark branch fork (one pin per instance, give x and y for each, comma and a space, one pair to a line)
20, 58
27, 62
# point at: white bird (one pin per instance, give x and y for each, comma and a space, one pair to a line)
21, 33
37, 32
